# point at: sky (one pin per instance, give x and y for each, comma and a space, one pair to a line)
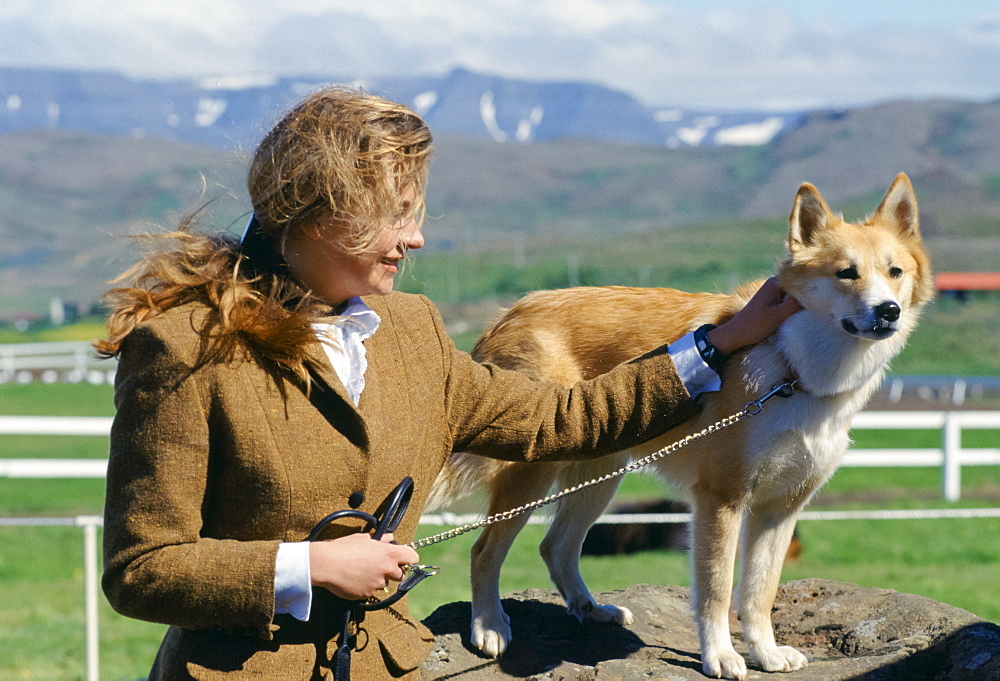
720, 54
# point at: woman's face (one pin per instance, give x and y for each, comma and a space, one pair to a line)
319, 261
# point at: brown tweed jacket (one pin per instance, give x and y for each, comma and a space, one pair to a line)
213, 464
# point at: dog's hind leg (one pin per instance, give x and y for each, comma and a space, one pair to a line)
514, 486
715, 533
767, 533
561, 547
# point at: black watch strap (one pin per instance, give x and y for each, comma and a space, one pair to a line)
712, 357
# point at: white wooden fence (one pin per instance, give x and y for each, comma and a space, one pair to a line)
58, 362
950, 457
76, 361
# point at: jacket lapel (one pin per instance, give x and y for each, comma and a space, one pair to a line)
330, 397
388, 396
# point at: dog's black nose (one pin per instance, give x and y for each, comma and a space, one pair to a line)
888, 311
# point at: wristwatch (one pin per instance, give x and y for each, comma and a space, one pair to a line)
708, 352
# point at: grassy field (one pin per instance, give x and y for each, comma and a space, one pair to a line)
41, 581
41, 578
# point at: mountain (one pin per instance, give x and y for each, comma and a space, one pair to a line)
234, 112
613, 209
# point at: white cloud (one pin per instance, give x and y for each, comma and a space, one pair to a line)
670, 53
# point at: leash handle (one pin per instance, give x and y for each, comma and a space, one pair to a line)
389, 514
385, 521
395, 508
338, 515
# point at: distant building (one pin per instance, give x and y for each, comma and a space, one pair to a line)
61, 312
960, 284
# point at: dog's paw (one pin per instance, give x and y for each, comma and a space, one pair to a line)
492, 638
589, 611
727, 664
779, 659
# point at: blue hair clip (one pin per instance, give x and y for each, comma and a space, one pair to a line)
256, 246
246, 230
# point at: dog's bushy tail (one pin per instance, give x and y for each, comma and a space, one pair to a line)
464, 474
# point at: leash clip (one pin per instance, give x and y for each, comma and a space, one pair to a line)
786, 390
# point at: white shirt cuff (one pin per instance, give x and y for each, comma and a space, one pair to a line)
292, 581
697, 376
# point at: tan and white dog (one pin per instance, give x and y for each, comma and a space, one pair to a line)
861, 287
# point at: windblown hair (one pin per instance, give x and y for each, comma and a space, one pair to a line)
339, 152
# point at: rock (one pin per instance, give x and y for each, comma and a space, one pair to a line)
846, 631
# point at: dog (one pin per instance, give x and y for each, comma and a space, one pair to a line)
861, 287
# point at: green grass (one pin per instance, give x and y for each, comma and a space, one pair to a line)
41, 587
84, 330
64, 399
683, 259
42, 612
947, 560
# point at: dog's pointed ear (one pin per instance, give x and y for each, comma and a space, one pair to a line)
899, 207
810, 215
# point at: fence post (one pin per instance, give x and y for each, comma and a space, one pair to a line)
6, 364
951, 448
90, 595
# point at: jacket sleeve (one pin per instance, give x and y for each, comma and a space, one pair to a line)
158, 567
504, 414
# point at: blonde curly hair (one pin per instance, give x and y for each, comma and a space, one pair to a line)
339, 152
344, 153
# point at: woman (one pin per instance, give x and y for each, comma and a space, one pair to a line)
266, 383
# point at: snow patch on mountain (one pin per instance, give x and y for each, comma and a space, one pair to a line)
695, 134
751, 134
526, 126
210, 109
488, 114
424, 102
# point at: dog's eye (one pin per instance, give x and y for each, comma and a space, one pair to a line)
848, 273
895, 272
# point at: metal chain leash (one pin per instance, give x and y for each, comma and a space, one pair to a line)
753, 408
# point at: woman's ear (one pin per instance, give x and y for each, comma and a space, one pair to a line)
313, 230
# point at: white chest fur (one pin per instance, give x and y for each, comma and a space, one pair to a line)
803, 438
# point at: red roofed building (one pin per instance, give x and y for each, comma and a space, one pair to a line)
960, 284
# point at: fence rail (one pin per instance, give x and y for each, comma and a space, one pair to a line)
950, 457
76, 361
55, 362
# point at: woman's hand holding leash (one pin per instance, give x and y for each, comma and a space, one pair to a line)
357, 567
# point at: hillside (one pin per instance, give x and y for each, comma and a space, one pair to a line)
66, 197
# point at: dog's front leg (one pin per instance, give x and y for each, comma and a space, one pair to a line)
766, 536
714, 539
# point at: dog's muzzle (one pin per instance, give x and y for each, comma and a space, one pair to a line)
884, 321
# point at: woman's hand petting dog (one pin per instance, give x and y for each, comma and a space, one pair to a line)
761, 317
